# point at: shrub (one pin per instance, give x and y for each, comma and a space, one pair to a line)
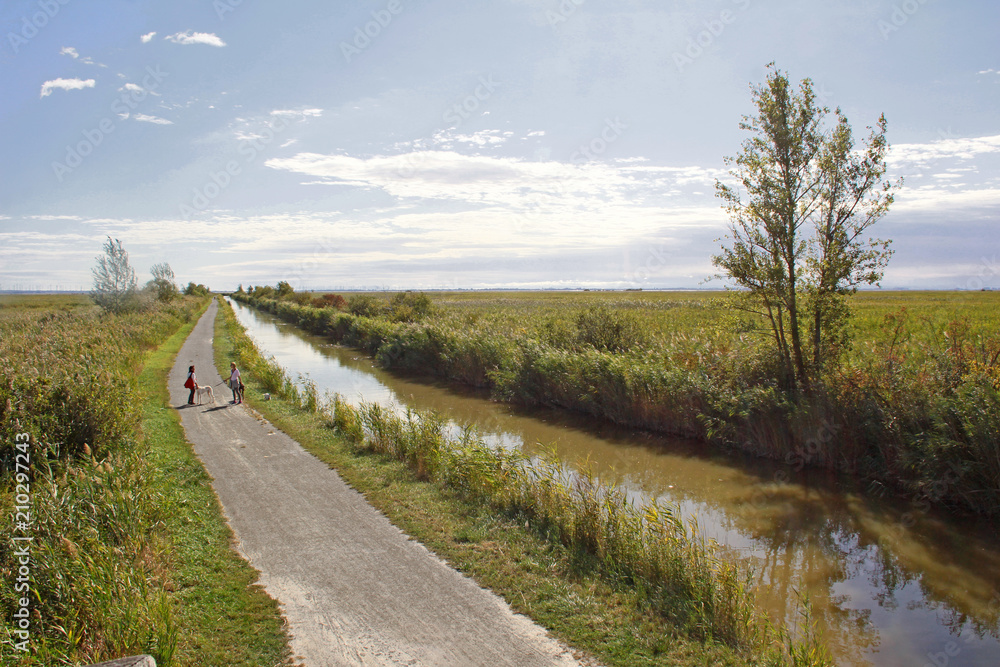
364, 305
611, 331
409, 307
301, 298
330, 301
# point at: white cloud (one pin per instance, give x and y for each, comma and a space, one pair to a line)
75, 55
153, 119
522, 188
936, 200
448, 138
484, 138
147, 37
66, 84
964, 149
302, 113
132, 87
190, 37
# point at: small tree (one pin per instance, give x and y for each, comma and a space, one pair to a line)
798, 243
114, 279
163, 282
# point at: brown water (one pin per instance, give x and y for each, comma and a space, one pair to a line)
891, 584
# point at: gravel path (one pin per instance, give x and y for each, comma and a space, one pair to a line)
354, 588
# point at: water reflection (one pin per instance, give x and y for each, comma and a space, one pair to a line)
890, 586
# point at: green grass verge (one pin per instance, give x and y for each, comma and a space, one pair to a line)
537, 577
222, 616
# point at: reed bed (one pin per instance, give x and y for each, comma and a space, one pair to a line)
70, 383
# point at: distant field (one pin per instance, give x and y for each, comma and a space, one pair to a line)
47, 301
696, 319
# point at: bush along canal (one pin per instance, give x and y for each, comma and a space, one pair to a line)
888, 583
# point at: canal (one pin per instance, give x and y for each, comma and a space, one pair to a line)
891, 583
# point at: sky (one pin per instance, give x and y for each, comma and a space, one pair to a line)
412, 144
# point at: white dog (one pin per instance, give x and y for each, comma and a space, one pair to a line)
205, 390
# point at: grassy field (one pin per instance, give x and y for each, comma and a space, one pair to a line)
912, 405
629, 586
129, 551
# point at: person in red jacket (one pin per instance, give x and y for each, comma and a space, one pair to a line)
192, 384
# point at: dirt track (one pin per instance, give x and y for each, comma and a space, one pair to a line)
354, 589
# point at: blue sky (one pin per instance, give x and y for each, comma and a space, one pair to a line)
419, 144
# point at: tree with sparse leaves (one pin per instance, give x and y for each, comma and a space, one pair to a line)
804, 200
114, 279
162, 283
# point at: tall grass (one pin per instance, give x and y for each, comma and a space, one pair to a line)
70, 382
681, 575
915, 400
